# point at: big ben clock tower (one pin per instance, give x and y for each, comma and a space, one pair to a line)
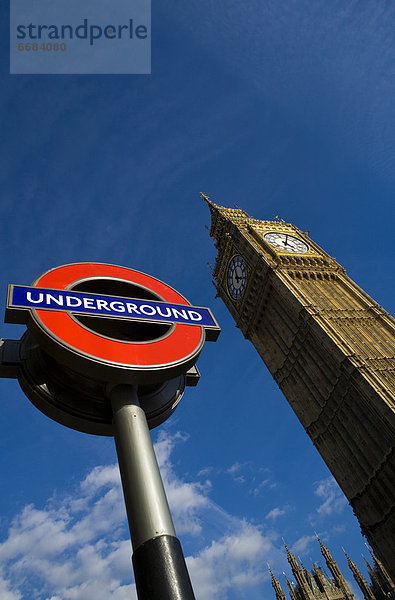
329, 347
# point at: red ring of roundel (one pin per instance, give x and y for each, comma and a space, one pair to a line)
181, 343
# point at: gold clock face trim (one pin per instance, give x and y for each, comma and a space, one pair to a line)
286, 242
237, 277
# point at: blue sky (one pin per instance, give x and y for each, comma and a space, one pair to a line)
284, 108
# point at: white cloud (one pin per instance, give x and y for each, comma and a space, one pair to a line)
334, 500
73, 548
303, 544
76, 560
77, 547
236, 467
6, 591
339, 529
206, 471
275, 513
100, 477
255, 478
234, 561
258, 489
185, 498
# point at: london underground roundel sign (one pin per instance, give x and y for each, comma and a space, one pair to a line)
112, 323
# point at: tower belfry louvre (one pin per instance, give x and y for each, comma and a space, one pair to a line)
329, 347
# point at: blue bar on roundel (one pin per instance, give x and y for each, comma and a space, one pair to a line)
28, 297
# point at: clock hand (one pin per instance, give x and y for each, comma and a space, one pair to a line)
238, 277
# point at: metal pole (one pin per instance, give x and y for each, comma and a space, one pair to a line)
158, 561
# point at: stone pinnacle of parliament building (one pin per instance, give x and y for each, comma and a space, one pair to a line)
290, 588
316, 585
335, 571
277, 587
329, 347
382, 585
298, 572
360, 579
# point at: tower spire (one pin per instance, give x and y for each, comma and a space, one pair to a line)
209, 202
372, 574
222, 217
299, 575
382, 584
381, 572
359, 578
336, 573
276, 586
320, 578
290, 588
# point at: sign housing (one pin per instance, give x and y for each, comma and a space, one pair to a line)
91, 325
65, 312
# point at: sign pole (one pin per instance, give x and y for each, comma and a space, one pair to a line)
158, 561
94, 333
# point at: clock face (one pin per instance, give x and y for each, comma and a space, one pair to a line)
286, 242
237, 277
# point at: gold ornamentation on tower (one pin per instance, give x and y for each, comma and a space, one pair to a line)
330, 348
